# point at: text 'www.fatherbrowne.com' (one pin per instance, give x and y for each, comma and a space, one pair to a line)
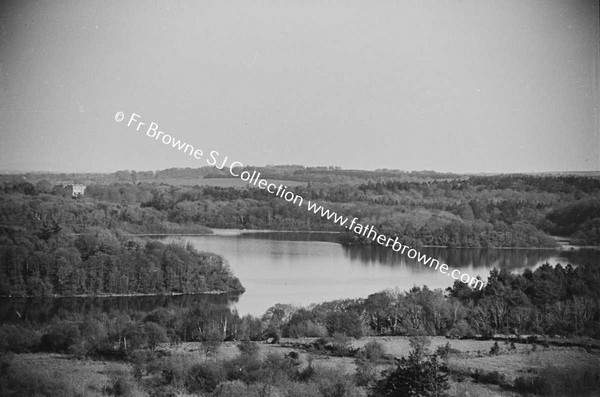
214, 159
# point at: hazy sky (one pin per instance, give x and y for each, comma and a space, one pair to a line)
448, 85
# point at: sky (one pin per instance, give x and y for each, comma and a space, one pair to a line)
444, 85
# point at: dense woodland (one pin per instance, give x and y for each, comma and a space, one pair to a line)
50, 245
420, 208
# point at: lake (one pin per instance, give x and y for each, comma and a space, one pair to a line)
303, 268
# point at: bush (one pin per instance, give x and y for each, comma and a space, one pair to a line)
248, 348
205, 377
160, 316
174, 370
234, 388
335, 383
18, 381
495, 350
120, 384
373, 352
494, 377
340, 344
366, 373
413, 376
446, 350
552, 381
420, 344
60, 336
272, 335
246, 367
17, 339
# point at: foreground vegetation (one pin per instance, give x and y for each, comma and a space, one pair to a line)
547, 301
371, 366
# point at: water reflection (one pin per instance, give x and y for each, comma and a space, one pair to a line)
305, 268
461, 258
42, 310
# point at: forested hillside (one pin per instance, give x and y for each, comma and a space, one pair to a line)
420, 208
54, 245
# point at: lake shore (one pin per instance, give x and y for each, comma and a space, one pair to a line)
131, 295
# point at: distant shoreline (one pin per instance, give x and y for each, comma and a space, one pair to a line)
561, 245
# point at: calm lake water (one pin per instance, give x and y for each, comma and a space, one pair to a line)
304, 268
300, 268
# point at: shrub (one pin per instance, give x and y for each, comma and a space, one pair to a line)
60, 336
120, 384
373, 352
234, 388
248, 348
94, 337
245, 367
211, 341
493, 377
272, 335
20, 381
552, 381
366, 373
300, 389
334, 383
174, 370
413, 376
495, 350
17, 339
276, 369
160, 316
420, 344
340, 344
205, 377
307, 373
446, 350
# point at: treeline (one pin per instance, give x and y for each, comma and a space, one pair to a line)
49, 261
494, 211
547, 301
42, 213
502, 211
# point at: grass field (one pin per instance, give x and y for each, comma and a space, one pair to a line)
84, 377
474, 355
89, 378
